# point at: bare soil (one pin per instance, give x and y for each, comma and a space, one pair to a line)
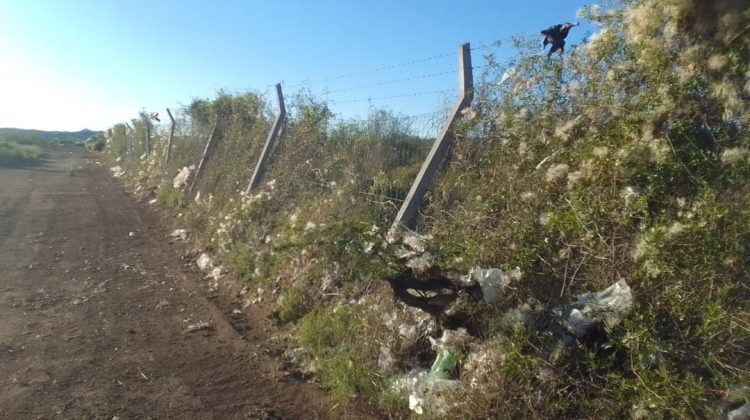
95, 307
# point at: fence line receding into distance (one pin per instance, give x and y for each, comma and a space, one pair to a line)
182, 130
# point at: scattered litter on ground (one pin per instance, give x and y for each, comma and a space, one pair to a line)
257, 299
386, 361
153, 201
182, 177
741, 413
422, 263
448, 346
216, 273
414, 240
181, 234
427, 394
608, 307
199, 326
419, 325
453, 338
415, 404
493, 281
204, 262
117, 171
404, 254
444, 364
737, 403
131, 234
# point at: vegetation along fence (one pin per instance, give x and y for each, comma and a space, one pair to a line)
626, 158
388, 159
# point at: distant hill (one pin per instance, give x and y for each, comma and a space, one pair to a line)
77, 136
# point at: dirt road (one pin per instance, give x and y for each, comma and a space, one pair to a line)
94, 318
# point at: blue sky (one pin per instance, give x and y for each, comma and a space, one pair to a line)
68, 65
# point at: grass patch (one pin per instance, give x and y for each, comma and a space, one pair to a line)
333, 337
16, 154
169, 197
293, 304
241, 260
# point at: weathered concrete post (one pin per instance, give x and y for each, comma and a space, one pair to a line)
435, 158
128, 141
171, 135
147, 140
206, 155
265, 155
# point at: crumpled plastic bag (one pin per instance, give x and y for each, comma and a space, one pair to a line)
493, 281
117, 171
182, 177
205, 262
608, 307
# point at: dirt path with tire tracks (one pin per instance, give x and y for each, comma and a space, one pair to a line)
94, 318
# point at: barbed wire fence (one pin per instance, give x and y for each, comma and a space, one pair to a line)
377, 157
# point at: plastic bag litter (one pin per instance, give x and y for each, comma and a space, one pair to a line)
741, 413
608, 307
204, 262
216, 273
427, 394
386, 360
182, 177
737, 403
414, 240
181, 234
422, 263
199, 326
493, 281
452, 338
117, 171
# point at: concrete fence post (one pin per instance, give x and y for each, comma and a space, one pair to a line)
435, 158
273, 136
171, 136
128, 141
147, 138
206, 155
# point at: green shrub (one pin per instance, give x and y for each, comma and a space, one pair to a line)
168, 196
13, 153
96, 143
293, 304
345, 358
241, 259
